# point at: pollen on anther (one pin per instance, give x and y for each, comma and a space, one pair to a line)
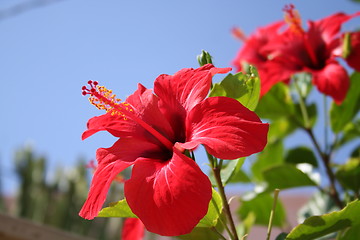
293, 19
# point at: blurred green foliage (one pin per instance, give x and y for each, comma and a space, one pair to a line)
55, 197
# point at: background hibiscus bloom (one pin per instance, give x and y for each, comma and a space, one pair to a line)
293, 50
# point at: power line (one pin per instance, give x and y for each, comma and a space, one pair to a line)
24, 7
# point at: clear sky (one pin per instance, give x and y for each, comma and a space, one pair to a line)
48, 53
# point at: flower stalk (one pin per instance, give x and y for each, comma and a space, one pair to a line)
216, 168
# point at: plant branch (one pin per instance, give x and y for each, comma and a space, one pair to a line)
216, 168
325, 158
217, 175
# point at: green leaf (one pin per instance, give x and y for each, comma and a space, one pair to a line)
349, 174
355, 153
301, 155
246, 224
317, 226
351, 131
277, 103
286, 176
243, 87
232, 172
261, 206
280, 128
200, 233
117, 209
273, 151
351, 234
342, 114
281, 236
212, 216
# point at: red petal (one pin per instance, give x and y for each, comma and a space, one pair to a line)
353, 58
252, 52
111, 161
226, 128
145, 104
116, 125
103, 177
331, 25
133, 229
169, 197
332, 80
187, 87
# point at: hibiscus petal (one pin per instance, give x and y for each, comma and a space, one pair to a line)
331, 25
146, 106
116, 125
170, 197
332, 80
353, 58
103, 177
252, 51
187, 87
226, 128
111, 161
133, 229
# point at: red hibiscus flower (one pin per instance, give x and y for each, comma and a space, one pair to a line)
295, 50
167, 190
133, 229
253, 51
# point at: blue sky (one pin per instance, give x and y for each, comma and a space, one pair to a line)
48, 53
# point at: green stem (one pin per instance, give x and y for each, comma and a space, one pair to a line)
220, 218
226, 206
216, 168
302, 105
326, 124
325, 158
272, 213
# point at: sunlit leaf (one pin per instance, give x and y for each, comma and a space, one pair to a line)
232, 172
317, 226
351, 234
117, 209
261, 206
342, 114
349, 174
280, 128
246, 224
212, 216
350, 132
243, 87
286, 176
200, 233
277, 103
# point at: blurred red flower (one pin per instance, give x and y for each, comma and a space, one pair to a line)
293, 50
167, 190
